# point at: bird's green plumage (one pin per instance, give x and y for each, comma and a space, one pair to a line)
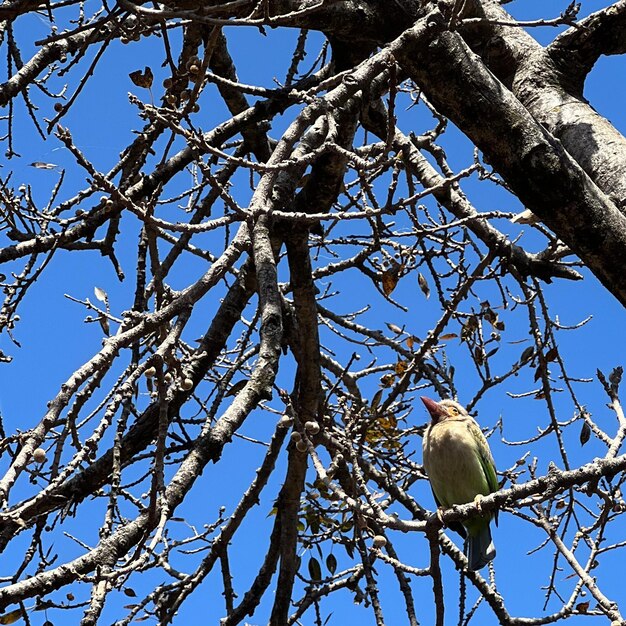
460, 467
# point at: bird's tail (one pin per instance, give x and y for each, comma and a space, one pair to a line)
480, 549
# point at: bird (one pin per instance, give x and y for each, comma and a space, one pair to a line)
461, 469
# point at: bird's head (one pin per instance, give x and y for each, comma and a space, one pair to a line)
444, 410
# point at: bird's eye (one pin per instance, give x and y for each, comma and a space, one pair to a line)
454, 410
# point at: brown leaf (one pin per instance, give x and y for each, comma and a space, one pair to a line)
615, 378
582, 607
387, 380
551, 354
471, 324
373, 435
388, 422
448, 336
479, 355
401, 367
392, 445
11, 617
389, 280
490, 316
142, 79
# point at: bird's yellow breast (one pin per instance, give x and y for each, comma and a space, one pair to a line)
452, 462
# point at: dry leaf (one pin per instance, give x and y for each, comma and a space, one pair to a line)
448, 336
423, 283
400, 367
582, 607
104, 324
387, 380
492, 317
388, 423
40, 165
471, 324
389, 280
142, 79
479, 355
11, 617
101, 294
551, 354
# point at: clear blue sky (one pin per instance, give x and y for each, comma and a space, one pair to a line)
100, 123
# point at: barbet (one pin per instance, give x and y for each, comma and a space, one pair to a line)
461, 469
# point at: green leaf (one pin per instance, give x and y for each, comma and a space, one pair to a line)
315, 569
376, 399
349, 547
331, 563
585, 434
527, 354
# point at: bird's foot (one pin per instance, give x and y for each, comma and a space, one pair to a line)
440, 512
477, 501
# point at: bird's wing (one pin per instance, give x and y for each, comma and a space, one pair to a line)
486, 459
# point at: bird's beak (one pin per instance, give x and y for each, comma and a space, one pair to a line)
436, 412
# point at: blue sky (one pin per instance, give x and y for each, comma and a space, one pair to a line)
100, 123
